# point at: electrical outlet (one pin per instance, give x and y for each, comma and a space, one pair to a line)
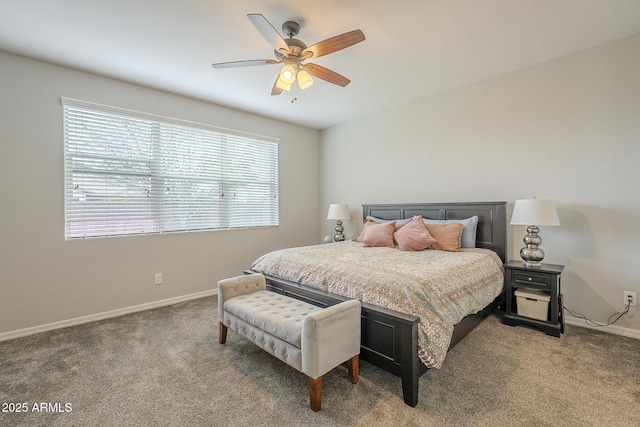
158, 279
630, 298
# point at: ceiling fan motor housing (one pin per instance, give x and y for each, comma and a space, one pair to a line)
295, 48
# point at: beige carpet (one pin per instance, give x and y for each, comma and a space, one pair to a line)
164, 367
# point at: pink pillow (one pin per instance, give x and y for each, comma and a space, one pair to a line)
447, 236
366, 224
414, 236
379, 235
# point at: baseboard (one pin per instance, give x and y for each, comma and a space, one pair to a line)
104, 315
617, 330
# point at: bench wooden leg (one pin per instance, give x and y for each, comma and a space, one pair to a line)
315, 393
223, 334
353, 367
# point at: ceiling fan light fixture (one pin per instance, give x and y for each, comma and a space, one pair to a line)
288, 73
283, 85
304, 79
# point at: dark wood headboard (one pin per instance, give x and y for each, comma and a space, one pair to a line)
492, 218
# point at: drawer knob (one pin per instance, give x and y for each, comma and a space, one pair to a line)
530, 279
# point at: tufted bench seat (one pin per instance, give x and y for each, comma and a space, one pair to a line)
311, 339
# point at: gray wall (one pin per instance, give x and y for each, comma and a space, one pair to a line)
567, 130
45, 279
577, 119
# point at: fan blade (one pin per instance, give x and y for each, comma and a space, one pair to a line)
327, 75
335, 43
276, 90
249, 63
270, 34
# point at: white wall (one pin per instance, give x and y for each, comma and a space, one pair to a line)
567, 130
45, 279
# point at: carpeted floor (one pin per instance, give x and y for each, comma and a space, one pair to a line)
164, 367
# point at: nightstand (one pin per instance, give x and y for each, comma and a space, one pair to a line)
545, 278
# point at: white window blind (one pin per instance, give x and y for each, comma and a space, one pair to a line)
134, 173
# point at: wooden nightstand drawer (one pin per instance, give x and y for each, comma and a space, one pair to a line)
528, 278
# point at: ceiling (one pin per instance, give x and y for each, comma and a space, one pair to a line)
413, 48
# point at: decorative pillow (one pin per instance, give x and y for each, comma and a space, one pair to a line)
370, 220
447, 236
379, 235
468, 239
414, 236
366, 224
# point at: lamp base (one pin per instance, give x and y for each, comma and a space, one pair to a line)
531, 264
339, 237
531, 254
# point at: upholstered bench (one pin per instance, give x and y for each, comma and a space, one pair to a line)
311, 339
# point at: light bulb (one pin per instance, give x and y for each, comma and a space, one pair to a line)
304, 79
288, 73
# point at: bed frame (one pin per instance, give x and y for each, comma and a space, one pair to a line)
390, 338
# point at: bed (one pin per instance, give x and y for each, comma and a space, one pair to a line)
393, 338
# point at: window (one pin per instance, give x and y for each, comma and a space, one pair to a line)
135, 173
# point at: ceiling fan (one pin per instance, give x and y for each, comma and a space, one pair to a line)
293, 52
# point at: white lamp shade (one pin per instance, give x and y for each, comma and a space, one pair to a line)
282, 85
534, 212
339, 211
304, 79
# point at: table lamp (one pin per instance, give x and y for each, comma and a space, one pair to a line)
537, 212
338, 212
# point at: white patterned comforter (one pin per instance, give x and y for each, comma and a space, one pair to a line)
439, 287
